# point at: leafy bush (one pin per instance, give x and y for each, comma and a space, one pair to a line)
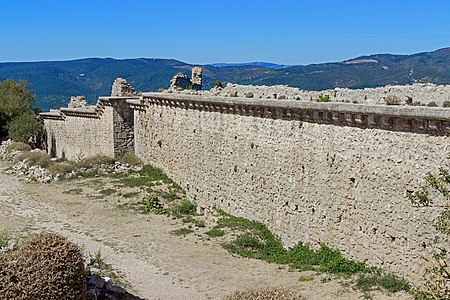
432, 104
392, 100
47, 266
323, 98
35, 158
25, 128
446, 104
234, 94
152, 205
218, 83
183, 209
15, 100
265, 294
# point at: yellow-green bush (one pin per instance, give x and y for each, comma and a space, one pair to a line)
18, 146
35, 158
46, 267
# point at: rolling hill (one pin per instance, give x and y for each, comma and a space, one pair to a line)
54, 82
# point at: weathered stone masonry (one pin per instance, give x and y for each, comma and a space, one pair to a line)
313, 172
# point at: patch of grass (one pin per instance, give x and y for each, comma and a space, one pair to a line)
152, 205
183, 209
95, 161
108, 192
304, 278
215, 232
35, 158
76, 191
169, 196
128, 158
265, 294
4, 239
197, 223
97, 263
182, 231
256, 241
18, 146
389, 282
64, 167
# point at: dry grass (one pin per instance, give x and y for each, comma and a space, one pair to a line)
35, 158
265, 294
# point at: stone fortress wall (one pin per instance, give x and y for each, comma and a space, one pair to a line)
332, 173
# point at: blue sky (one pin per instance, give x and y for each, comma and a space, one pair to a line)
286, 32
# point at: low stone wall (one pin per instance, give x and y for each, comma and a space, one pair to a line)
328, 173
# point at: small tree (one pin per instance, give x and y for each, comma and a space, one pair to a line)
25, 128
15, 99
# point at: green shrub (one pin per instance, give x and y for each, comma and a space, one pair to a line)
432, 104
234, 94
249, 95
35, 158
128, 158
265, 294
218, 83
152, 205
323, 98
446, 104
25, 128
46, 266
4, 239
392, 100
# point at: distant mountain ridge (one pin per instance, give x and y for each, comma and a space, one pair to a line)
254, 63
54, 82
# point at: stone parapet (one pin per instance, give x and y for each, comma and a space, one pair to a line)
398, 118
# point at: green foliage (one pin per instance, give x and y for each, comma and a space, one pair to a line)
183, 209
432, 104
128, 158
25, 128
256, 241
389, 282
4, 239
323, 98
438, 272
96, 262
218, 83
249, 95
446, 104
234, 94
15, 100
34, 158
152, 205
46, 266
215, 232
18, 146
304, 278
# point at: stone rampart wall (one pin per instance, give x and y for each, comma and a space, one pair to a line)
313, 172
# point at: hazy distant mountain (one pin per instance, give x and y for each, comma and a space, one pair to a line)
255, 63
55, 81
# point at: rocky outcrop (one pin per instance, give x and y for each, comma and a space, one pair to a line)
197, 78
121, 88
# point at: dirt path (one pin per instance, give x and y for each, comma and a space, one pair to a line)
156, 263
